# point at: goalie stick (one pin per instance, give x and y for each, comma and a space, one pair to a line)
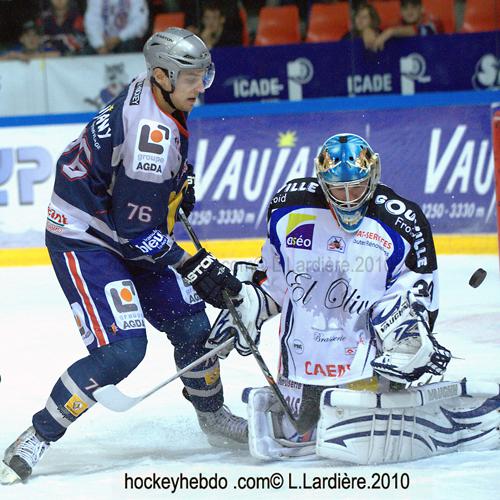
244, 332
112, 398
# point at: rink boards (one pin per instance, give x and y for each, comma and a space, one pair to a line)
435, 149
250, 248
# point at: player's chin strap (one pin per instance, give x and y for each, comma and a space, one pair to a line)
165, 93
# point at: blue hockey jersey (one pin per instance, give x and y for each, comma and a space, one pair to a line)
122, 178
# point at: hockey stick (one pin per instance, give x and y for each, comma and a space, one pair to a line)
112, 398
244, 332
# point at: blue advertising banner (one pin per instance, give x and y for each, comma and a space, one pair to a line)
406, 66
435, 149
440, 157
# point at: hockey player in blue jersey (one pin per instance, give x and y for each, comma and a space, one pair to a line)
110, 222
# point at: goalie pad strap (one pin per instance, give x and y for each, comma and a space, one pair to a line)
418, 396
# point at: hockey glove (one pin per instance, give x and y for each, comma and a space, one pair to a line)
209, 278
409, 349
254, 307
189, 198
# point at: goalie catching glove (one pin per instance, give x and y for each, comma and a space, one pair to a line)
254, 306
409, 349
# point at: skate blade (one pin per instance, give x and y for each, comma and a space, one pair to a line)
7, 475
224, 442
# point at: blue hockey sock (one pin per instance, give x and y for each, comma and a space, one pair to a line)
203, 386
72, 393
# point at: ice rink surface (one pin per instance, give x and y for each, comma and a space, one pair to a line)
160, 436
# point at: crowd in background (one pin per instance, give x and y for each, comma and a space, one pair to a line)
52, 28
414, 21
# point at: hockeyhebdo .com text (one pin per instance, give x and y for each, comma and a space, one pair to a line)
340, 481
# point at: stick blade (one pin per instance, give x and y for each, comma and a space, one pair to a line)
113, 399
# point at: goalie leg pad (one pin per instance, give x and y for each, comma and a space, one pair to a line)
271, 436
351, 433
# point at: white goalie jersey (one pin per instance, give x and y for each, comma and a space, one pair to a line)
329, 283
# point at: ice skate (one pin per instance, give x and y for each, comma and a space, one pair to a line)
21, 456
223, 429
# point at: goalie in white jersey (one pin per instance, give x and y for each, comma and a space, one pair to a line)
342, 254
352, 268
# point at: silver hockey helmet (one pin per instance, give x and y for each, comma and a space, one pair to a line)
177, 49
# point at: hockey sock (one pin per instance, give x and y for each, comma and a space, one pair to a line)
202, 384
71, 396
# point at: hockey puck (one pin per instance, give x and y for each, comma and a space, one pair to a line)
477, 278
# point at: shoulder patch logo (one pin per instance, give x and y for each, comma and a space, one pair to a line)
135, 100
300, 231
152, 138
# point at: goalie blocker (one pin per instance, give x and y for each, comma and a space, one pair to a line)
363, 427
253, 305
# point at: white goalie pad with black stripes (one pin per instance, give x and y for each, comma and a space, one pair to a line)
374, 428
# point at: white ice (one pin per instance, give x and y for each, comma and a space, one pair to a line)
39, 341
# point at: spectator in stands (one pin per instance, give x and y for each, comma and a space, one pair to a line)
366, 25
13, 14
221, 27
30, 46
114, 26
62, 26
414, 21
